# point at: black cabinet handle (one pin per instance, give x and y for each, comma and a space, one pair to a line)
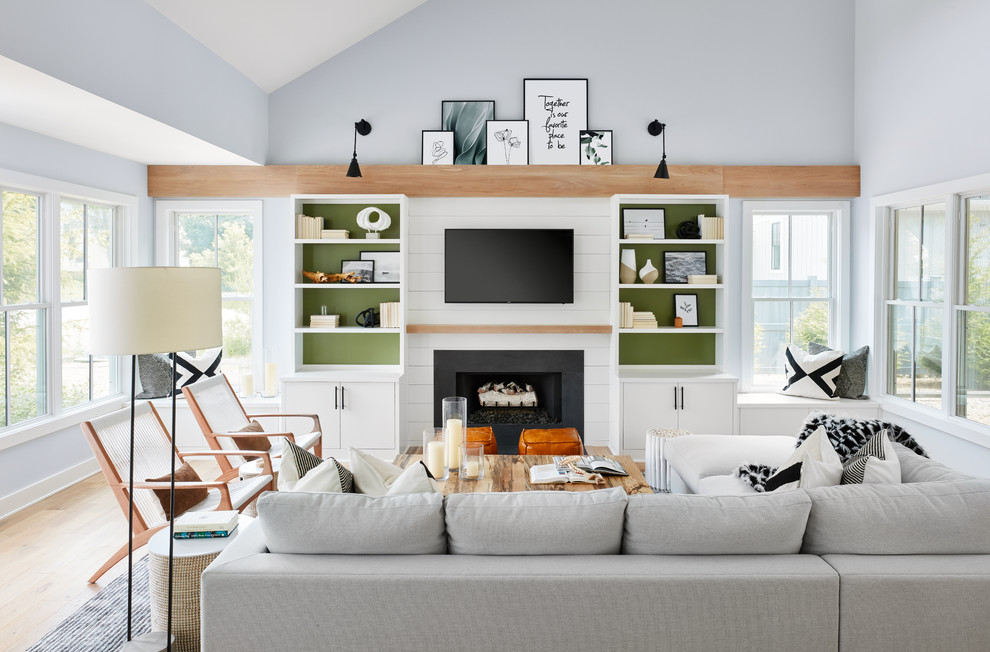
335, 388
682, 397
342, 397
675, 397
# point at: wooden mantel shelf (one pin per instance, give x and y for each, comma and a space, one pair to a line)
820, 181
511, 329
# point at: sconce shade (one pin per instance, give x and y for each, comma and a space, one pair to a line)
137, 310
362, 127
354, 170
657, 128
661, 172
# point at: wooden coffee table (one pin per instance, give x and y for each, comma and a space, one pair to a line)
505, 473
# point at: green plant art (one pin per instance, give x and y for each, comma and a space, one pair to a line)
595, 147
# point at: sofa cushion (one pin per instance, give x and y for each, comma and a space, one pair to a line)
916, 468
899, 519
812, 464
352, 524
876, 462
679, 524
376, 477
536, 522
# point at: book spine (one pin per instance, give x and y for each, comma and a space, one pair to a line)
205, 534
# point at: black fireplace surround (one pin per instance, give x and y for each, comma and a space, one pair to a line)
556, 376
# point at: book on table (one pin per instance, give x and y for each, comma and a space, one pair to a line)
554, 473
194, 522
204, 534
592, 464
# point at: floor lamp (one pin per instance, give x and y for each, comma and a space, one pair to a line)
140, 310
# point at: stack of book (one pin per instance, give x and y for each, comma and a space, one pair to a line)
625, 314
390, 315
335, 234
639, 236
644, 319
308, 228
324, 321
712, 228
205, 525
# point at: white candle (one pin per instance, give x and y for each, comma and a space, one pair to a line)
454, 435
271, 379
247, 384
434, 458
471, 469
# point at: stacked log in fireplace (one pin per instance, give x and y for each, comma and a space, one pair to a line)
509, 402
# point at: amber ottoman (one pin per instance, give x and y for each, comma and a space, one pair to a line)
483, 435
551, 441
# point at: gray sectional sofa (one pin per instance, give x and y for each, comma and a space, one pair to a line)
855, 567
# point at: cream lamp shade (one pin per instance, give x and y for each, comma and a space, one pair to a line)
136, 310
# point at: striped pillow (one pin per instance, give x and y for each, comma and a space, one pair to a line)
875, 462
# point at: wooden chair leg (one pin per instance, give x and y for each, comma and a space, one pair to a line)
318, 448
139, 540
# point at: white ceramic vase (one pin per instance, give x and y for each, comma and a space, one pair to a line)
648, 273
627, 266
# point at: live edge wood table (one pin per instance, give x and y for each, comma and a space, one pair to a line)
505, 473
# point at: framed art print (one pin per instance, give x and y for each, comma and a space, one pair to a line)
557, 111
467, 120
438, 147
678, 265
363, 270
507, 142
386, 265
643, 222
686, 307
596, 147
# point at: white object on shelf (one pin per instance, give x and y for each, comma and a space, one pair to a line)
373, 228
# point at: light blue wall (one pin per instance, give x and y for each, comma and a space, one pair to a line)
128, 53
755, 82
921, 118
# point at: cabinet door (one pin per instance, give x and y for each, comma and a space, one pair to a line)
367, 415
645, 406
707, 408
310, 397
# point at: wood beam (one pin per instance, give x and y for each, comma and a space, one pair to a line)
511, 329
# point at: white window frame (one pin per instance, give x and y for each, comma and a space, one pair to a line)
953, 194
52, 192
167, 254
838, 277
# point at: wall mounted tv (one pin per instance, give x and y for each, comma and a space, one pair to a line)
508, 266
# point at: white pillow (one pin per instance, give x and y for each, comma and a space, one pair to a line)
811, 376
812, 464
328, 477
376, 477
876, 462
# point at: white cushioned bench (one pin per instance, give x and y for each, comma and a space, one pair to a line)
776, 414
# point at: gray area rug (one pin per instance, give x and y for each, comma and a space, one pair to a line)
101, 623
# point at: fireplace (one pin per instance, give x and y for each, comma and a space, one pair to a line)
556, 378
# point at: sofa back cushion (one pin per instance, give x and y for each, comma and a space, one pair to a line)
677, 524
353, 524
915, 468
900, 519
536, 522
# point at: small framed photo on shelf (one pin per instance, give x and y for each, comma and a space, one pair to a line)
596, 147
386, 265
508, 142
464, 119
678, 265
686, 307
438, 147
643, 223
362, 270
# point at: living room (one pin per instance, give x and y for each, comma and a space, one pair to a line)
886, 86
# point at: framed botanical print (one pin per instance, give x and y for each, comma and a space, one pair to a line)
438, 147
508, 142
467, 120
686, 307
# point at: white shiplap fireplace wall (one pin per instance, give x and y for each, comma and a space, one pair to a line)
427, 220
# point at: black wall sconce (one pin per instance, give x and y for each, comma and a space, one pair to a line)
657, 128
362, 127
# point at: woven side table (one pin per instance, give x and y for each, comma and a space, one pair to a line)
657, 471
190, 559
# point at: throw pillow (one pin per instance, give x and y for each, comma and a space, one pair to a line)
261, 443
329, 477
296, 462
812, 464
811, 376
848, 435
189, 368
155, 374
185, 497
851, 382
414, 480
376, 477
875, 463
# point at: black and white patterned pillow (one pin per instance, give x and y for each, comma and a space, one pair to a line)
189, 368
851, 381
303, 462
811, 376
875, 462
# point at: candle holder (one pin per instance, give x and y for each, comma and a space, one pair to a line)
271, 374
472, 461
455, 430
435, 452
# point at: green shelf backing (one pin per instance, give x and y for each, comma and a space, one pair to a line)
347, 303
326, 258
661, 303
351, 348
344, 216
673, 215
667, 349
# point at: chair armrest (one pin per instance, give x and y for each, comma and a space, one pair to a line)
314, 417
264, 455
207, 484
243, 435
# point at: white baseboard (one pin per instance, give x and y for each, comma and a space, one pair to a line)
28, 496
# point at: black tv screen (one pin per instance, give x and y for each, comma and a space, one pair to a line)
508, 266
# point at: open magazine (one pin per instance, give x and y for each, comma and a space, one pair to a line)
592, 464
550, 473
